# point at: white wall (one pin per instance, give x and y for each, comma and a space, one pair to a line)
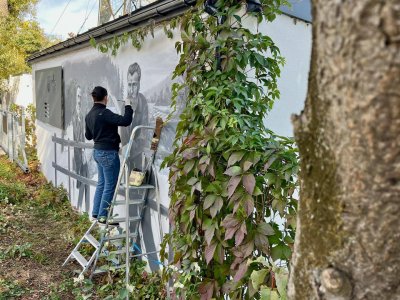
20, 90
293, 37
24, 96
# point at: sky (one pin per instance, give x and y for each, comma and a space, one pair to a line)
49, 11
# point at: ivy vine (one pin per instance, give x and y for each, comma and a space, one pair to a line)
232, 180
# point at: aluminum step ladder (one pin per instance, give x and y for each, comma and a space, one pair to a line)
106, 230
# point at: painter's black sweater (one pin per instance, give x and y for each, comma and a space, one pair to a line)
102, 126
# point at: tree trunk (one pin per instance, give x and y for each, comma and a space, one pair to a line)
3, 8
348, 235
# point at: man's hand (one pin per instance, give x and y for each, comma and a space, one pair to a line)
129, 100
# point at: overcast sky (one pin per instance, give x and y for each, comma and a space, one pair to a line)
48, 12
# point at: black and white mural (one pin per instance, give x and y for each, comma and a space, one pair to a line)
146, 77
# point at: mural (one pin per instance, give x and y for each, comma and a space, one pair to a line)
150, 90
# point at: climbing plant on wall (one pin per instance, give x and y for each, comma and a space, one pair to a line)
232, 179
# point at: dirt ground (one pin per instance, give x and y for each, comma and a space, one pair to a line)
35, 238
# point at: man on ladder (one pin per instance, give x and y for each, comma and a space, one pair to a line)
102, 126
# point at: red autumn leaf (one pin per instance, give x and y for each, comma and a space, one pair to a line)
241, 271
210, 249
235, 157
270, 162
246, 165
192, 214
247, 248
202, 168
220, 254
232, 185
216, 207
261, 243
190, 153
229, 233
206, 290
209, 234
248, 204
235, 197
211, 170
239, 237
230, 221
249, 183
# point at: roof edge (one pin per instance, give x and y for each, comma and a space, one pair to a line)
158, 11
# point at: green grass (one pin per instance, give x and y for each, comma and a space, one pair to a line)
10, 289
17, 251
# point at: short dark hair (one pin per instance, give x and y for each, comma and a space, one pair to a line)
99, 93
135, 68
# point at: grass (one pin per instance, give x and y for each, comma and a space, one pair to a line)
10, 289
38, 229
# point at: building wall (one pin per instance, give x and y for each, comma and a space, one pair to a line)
293, 37
85, 68
19, 91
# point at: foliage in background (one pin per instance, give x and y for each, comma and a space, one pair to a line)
231, 179
20, 36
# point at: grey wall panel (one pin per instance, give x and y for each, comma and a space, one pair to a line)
49, 96
300, 9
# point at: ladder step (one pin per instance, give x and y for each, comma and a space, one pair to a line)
101, 271
119, 236
121, 220
132, 202
92, 240
140, 187
79, 257
117, 252
143, 186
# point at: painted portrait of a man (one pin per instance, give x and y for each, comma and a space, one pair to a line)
140, 116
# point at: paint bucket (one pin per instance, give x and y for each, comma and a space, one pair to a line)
136, 178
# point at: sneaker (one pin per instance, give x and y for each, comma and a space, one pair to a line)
103, 220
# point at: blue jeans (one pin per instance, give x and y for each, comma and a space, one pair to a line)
108, 166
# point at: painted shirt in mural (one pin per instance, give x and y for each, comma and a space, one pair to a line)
80, 165
140, 117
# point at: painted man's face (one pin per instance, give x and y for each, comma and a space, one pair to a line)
133, 85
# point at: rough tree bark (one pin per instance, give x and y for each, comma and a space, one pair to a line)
348, 238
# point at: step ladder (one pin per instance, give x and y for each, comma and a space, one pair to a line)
107, 230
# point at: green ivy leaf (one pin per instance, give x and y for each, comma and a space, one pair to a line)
281, 277
188, 166
258, 277
267, 294
92, 42
233, 171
